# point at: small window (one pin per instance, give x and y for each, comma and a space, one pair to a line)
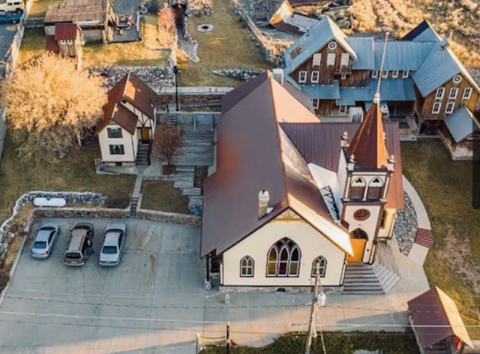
383, 219
450, 107
315, 102
332, 45
405, 74
467, 93
375, 189
117, 150
453, 93
357, 188
395, 74
302, 77
344, 76
436, 108
457, 79
385, 74
315, 77
69, 41
114, 133
317, 59
63, 41
374, 74
440, 93
330, 59
342, 109
321, 263
246, 267
345, 59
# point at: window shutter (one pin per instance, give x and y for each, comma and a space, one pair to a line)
109, 131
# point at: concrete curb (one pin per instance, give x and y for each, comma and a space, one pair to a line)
12, 270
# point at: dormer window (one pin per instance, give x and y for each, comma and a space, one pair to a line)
332, 45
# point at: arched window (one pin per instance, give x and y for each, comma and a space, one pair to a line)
359, 234
283, 259
357, 188
375, 188
246, 267
322, 264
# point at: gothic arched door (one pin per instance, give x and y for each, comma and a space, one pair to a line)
359, 239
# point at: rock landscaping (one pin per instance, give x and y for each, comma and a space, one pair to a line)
238, 73
153, 76
405, 228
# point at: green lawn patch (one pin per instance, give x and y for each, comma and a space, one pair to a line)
335, 342
161, 196
445, 186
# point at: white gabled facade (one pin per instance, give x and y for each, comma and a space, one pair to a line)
127, 142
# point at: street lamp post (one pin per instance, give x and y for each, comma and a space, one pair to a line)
175, 71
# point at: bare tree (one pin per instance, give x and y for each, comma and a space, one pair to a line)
52, 105
166, 141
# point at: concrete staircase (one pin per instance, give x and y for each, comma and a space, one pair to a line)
136, 192
385, 266
196, 149
142, 155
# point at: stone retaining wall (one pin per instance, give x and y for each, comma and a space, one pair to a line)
80, 213
273, 289
172, 218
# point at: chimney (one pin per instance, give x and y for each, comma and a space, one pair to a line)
278, 75
345, 139
263, 200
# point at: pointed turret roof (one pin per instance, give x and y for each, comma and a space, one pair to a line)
368, 144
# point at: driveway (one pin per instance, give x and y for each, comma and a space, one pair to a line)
154, 301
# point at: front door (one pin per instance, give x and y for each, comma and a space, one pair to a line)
358, 247
145, 134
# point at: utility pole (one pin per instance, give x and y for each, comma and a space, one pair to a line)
311, 324
228, 338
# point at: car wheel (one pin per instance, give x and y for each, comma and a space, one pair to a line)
19, 12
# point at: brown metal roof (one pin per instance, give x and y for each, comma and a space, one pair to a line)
254, 154
66, 31
51, 44
300, 96
134, 91
319, 143
368, 145
436, 318
77, 11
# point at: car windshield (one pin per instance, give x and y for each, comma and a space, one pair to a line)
109, 250
48, 228
40, 245
73, 255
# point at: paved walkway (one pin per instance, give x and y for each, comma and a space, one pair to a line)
419, 251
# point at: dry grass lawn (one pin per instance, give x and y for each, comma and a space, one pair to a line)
228, 46
445, 186
75, 173
161, 196
39, 7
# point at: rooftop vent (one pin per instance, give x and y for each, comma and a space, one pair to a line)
263, 200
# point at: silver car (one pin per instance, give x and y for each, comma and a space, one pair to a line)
45, 240
115, 235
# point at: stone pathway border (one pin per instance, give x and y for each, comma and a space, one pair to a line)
419, 251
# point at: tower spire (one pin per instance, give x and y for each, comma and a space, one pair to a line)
376, 98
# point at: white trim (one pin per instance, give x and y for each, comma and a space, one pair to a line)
453, 93
343, 77
438, 106
302, 77
405, 74
332, 45
384, 74
345, 58
441, 91
450, 107
315, 102
395, 74
457, 79
343, 108
331, 59
467, 93
374, 74
317, 59
317, 77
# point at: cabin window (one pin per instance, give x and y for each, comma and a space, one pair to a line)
246, 267
405, 74
330, 59
315, 76
385, 74
357, 188
283, 259
450, 107
453, 93
117, 150
467, 93
345, 59
315, 102
114, 133
375, 189
317, 58
342, 109
436, 108
332, 45
321, 262
344, 76
374, 74
440, 93
394, 74
302, 77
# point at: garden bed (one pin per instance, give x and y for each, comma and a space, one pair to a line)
162, 196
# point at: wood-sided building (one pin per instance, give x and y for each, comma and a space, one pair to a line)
422, 79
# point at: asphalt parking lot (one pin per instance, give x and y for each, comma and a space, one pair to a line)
7, 33
52, 308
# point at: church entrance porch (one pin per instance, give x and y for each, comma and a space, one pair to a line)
359, 239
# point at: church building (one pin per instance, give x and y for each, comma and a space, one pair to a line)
290, 193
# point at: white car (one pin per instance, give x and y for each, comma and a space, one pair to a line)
113, 244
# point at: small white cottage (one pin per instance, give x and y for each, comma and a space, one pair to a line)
290, 192
126, 131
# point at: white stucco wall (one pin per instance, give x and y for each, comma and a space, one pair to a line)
311, 243
128, 141
389, 223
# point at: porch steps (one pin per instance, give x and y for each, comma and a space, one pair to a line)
184, 180
361, 279
191, 191
142, 155
385, 266
133, 207
196, 150
186, 169
195, 201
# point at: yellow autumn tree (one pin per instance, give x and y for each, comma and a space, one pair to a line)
52, 105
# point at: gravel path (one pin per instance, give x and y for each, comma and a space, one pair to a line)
405, 228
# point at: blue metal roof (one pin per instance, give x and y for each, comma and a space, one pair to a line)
439, 67
316, 38
369, 103
364, 48
461, 124
401, 55
390, 90
324, 92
